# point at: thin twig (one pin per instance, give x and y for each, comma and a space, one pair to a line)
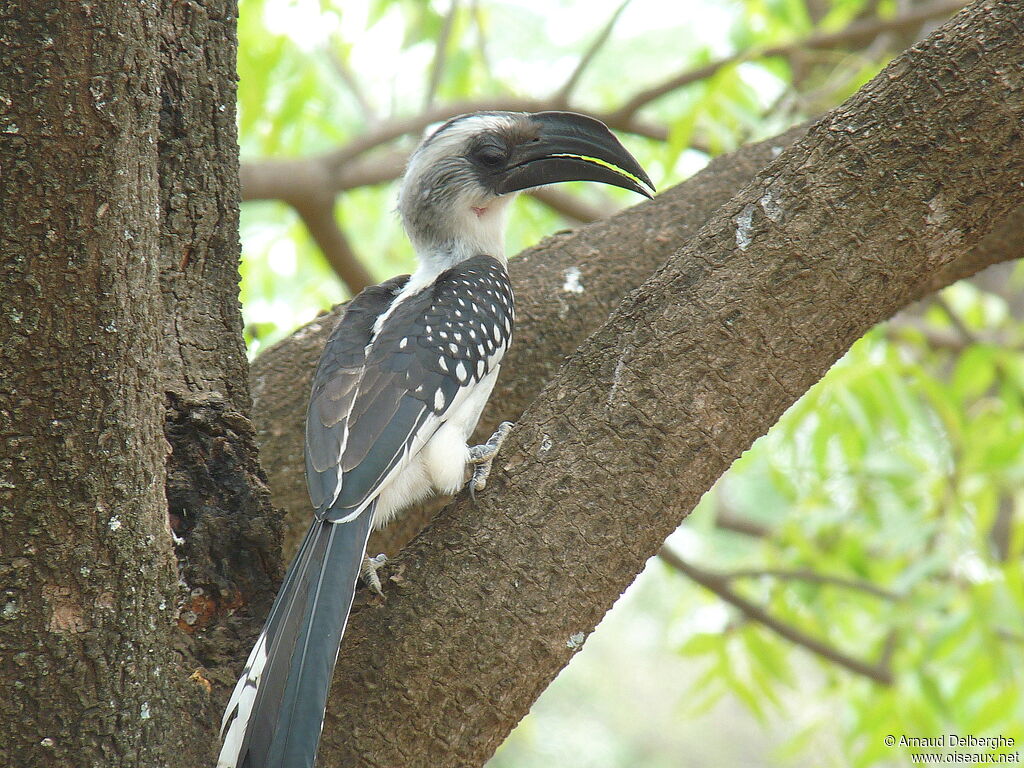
1001, 531
308, 189
879, 672
396, 128
729, 520
905, 326
348, 77
969, 336
368, 171
571, 206
813, 577
1010, 637
563, 94
481, 36
852, 35
440, 54
902, 327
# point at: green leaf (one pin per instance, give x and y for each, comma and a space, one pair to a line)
974, 373
701, 644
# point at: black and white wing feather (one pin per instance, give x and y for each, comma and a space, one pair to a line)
433, 347
336, 384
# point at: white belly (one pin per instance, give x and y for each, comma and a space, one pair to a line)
439, 467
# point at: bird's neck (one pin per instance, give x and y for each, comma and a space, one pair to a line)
474, 232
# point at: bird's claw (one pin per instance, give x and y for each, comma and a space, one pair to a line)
369, 572
482, 458
481, 472
478, 480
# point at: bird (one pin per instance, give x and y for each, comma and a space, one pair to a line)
398, 391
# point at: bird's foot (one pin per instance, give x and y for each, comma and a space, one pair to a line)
482, 456
369, 572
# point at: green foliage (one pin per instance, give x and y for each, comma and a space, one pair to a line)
892, 470
901, 470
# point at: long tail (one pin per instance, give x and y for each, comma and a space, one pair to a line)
276, 713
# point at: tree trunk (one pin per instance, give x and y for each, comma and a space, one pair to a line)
217, 496
125, 386
88, 570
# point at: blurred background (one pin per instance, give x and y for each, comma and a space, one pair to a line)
858, 572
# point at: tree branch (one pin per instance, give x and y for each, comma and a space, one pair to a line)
1010, 636
857, 33
965, 333
730, 521
297, 182
307, 189
335, 246
571, 206
902, 328
811, 576
346, 168
550, 322
414, 125
843, 229
718, 584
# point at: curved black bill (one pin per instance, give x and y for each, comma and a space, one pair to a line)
572, 147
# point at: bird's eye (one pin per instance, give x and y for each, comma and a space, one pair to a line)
490, 155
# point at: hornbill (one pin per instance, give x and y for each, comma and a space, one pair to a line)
399, 389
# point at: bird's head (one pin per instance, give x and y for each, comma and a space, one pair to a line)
461, 178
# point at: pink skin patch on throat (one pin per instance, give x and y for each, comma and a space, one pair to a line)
479, 211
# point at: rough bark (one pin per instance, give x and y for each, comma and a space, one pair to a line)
127, 386
217, 497
842, 230
87, 623
199, 191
